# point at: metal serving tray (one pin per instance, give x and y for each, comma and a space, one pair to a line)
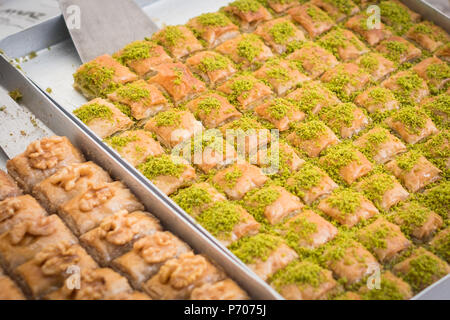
53, 67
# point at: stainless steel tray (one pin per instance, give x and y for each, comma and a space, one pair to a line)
55, 119
57, 60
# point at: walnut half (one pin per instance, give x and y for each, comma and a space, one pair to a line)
182, 272
68, 177
56, 259
40, 227
96, 196
119, 229
46, 153
157, 247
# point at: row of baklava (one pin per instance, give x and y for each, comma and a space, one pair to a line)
265, 225
78, 222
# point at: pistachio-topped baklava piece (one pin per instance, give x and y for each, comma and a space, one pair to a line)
278, 33
398, 50
101, 76
168, 173
343, 44
379, 145
377, 99
264, 253
248, 12
142, 56
414, 170
211, 66
384, 239
412, 124
435, 71
348, 207
345, 119
337, 9
179, 41
345, 162
397, 15
178, 81
312, 137
280, 112
444, 52
438, 109
246, 49
441, 244
312, 18
103, 117
286, 159
407, 86
428, 35
373, 34
312, 97
245, 91
239, 179
281, 5
376, 65
391, 288
383, 190
213, 27
437, 149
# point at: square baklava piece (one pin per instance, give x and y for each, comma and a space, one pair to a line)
8, 187
211, 66
407, 86
280, 112
179, 41
435, 71
398, 50
312, 18
428, 35
343, 44
249, 13
345, 119
376, 65
377, 100
373, 35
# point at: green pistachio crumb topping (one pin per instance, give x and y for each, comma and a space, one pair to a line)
161, 166
318, 15
307, 177
246, 5
408, 160
338, 156
389, 290
260, 246
412, 118
396, 50
411, 216
310, 130
92, 111
221, 218
437, 198
216, 19
257, 200
168, 118
137, 50
300, 273
369, 62
423, 270
397, 16
338, 116
249, 47
282, 32
279, 108
96, 79
191, 198
231, 177
207, 105
118, 142
345, 200
170, 36
213, 63
240, 88
298, 230
375, 187
134, 91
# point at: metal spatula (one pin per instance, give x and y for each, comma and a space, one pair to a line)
104, 26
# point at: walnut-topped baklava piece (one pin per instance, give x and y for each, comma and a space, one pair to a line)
249, 13
361, 25
246, 49
307, 230
101, 76
312, 137
278, 33
213, 110
414, 170
349, 260
198, 197
135, 145
437, 107
86, 210
239, 179
178, 81
391, 288
345, 80
428, 35
384, 239
15, 210
441, 244
67, 183
312, 59
143, 99
280, 112
247, 135
95, 284
272, 204
213, 27
50, 269
421, 269
337, 9
348, 207
282, 75
377, 99
168, 173
407, 86
304, 280
149, 253
211, 66
376, 65
312, 97
343, 44
116, 234
379, 145
435, 71
179, 41
8, 289
345, 162
312, 18
310, 183
41, 159
245, 91
103, 117
29, 237
142, 56
398, 50
228, 222
412, 124
264, 253
222, 290
8, 187
345, 119
398, 16
416, 220
178, 277
174, 126
383, 190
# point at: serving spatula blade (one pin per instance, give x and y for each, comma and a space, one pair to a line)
104, 26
